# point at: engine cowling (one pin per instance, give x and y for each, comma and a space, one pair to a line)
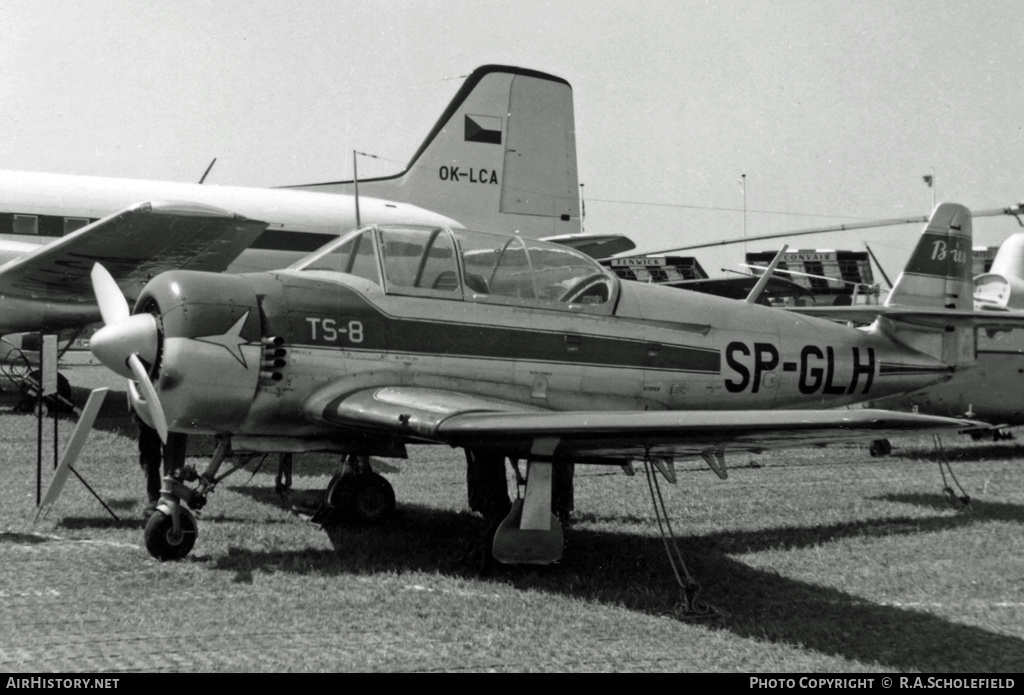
206, 370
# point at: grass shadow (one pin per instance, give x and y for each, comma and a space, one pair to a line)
78, 523
628, 570
965, 454
995, 511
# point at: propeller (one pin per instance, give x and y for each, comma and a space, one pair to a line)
113, 306
126, 344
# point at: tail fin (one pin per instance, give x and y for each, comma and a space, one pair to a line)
502, 157
938, 274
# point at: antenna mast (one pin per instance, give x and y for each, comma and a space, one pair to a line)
355, 180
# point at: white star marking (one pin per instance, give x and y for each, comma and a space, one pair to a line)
231, 340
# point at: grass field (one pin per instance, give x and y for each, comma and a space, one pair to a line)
823, 560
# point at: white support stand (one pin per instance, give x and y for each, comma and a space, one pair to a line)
74, 448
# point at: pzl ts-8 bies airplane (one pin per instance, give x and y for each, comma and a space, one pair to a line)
502, 156
510, 347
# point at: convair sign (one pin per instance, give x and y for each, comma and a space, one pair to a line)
809, 257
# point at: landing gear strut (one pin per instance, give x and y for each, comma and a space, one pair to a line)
172, 529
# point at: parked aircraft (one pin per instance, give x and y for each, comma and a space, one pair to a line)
501, 155
509, 348
992, 390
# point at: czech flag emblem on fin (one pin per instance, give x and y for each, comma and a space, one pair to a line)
483, 129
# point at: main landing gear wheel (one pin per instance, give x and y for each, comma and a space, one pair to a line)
880, 447
367, 498
163, 542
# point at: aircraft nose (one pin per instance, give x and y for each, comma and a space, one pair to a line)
113, 345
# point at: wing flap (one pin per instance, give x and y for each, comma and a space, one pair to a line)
480, 422
135, 245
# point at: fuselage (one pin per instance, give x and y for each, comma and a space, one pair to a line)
40, 207
543, 327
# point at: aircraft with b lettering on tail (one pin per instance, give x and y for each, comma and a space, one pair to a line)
993, 391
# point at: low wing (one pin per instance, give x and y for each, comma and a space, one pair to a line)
480, 422
134, 245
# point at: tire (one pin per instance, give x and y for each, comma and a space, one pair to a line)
161, 541
375, 500
367, 498
880, 447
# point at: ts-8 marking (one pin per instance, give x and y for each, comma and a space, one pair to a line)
331, 332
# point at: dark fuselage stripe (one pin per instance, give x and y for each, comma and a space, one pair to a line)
504, 360
901, 369
382, 333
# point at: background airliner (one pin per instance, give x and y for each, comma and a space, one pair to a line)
501, 156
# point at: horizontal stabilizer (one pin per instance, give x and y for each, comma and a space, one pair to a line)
927, 318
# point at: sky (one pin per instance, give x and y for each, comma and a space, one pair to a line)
834, 111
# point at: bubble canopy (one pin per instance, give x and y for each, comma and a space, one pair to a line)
461, 264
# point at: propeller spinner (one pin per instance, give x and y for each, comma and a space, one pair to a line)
126, 344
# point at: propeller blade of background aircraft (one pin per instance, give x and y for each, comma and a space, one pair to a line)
113, 306
149, 399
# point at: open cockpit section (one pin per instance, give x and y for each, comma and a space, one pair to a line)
465, 265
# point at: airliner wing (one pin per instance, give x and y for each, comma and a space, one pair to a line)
481, 422
135, 245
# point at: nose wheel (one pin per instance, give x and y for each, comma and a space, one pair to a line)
164, 541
